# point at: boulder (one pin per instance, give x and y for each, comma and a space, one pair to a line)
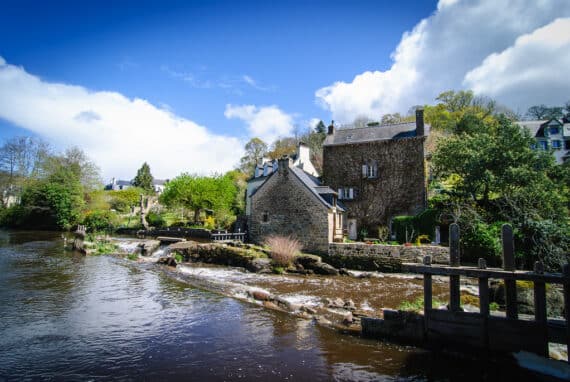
324, 269
147, 247
259, 295
315, 264
170, 261
259, 265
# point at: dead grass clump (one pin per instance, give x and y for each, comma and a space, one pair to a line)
283, 249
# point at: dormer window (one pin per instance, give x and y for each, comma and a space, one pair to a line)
554, 130
370, 169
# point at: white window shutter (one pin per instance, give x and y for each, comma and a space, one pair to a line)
340, 193
350, 193
364, 170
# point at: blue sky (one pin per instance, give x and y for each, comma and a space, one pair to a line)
203, 77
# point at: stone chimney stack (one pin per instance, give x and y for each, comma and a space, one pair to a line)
420, 130
284, 165
331, 128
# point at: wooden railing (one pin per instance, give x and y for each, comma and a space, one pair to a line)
239, 236
483, 329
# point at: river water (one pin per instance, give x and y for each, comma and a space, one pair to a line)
64, 316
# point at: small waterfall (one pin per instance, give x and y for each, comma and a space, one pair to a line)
127, 246
160, 252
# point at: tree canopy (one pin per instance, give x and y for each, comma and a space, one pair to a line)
254, 150
487, 173
144, 178
199, 193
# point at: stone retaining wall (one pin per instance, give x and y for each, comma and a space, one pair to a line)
384, 258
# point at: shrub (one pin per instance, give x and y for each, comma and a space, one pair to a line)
283, 249
404, 228
155, 220
101, 220
209, 222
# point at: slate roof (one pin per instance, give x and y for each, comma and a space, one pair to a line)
323, 193
372, 133
534, 127
314, 185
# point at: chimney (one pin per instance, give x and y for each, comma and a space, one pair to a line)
284, 165
303, 153
331, 128
420, 131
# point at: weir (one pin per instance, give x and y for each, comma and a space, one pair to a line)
481, 329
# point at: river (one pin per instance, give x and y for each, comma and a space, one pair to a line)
64, 316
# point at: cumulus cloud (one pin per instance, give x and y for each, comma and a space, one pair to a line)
117, 132
439, 51
535, 62
267, 122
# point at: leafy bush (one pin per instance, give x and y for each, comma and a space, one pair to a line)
123, 200
481, 240
404, 228
101, 220
209, 222
155, 220
283, 249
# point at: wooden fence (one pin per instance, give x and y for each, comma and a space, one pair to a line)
482, 329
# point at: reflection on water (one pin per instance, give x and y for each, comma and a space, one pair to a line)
64, 316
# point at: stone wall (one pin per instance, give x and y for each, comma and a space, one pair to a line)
399, 188
290, 209
384, 258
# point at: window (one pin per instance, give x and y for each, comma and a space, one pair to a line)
347, 193
556, 144
567, 144
543, 145
370, 169
554, 130
265, 217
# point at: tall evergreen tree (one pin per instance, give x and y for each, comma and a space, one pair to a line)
144, 178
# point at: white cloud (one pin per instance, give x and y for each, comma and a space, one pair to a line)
436, 55
267, 122
118, 133
535, 63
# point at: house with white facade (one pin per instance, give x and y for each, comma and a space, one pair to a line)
552, 134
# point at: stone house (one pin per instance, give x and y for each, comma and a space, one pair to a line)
378, 172
266, 167
289, 201
552, 134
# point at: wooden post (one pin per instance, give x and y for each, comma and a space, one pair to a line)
484, 308
427, 302
484, 296
508, 248
566, 274
509, 265
540, 313
454, 261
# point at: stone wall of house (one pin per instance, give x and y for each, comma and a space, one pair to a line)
399, 188
291, 210
385, 258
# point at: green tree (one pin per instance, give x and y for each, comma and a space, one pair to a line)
493, 175
321, 128
124, 200
254, 150
199, 193
144, 178
60, 195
